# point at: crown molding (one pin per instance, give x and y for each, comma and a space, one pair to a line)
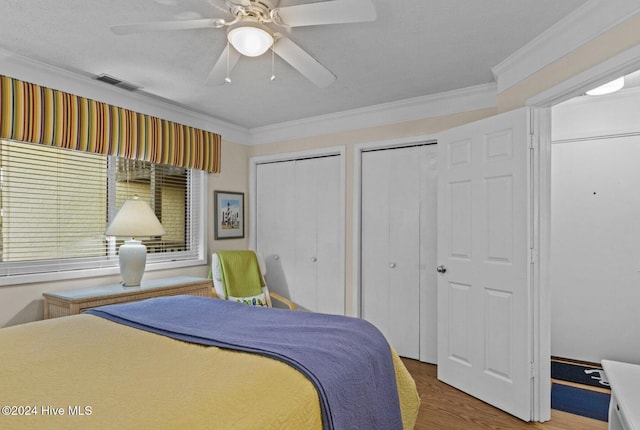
586, 23
78, 83
450, 102
84, 85
625, 62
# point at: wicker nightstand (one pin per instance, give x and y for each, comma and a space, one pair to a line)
71, 302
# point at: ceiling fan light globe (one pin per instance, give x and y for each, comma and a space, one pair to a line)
251, 41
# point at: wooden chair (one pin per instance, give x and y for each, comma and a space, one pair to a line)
221, 290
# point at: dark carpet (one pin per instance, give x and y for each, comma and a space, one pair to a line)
580, 397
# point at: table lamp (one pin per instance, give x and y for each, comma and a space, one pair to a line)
134, 219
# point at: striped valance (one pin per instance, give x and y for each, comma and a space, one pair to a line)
31, 113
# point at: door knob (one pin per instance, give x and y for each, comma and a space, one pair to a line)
441, 268
314, 259
392, 265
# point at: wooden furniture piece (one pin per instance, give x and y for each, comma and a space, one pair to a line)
71, 302
624, 379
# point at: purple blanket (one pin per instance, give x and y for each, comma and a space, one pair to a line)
347, 359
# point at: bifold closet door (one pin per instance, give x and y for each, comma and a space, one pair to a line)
299, 230
275, 218
398, 229
318, 278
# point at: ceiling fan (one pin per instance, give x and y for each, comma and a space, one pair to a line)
253, 30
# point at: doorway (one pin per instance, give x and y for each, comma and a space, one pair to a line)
621, 64
595, 261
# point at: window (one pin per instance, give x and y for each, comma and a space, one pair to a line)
55, 205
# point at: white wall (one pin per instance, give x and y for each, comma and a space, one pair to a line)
595, 229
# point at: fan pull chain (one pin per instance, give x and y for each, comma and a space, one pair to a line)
273, 64
228, 78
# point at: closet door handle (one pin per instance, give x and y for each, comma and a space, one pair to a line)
276, 257
441, 268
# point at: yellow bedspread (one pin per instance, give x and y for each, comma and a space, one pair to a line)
87, 372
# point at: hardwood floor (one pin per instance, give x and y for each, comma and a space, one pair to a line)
444, 407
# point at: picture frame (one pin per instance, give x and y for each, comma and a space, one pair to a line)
228, 215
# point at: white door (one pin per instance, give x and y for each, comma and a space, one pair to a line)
484, 303
318, 277
299, 231
398, 238
329, 257
274, 235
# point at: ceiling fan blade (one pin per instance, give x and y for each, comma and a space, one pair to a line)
145, 27
244, 3
303, 62
326, 12
220, 72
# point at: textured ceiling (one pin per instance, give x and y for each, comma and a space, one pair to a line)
414, 48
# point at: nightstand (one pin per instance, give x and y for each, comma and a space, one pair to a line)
624, 378
71, 302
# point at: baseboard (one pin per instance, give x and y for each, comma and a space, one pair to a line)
577, 362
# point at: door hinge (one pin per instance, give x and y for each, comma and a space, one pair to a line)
532, 370
533, 255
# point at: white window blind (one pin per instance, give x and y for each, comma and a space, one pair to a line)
56, 204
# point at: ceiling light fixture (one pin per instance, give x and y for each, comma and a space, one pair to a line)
608, 88
273, 65
228, 78
251, 39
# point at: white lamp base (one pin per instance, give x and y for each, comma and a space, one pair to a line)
133, 258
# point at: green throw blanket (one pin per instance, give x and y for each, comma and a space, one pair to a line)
240, 273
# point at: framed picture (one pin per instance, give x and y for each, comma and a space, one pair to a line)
229, 215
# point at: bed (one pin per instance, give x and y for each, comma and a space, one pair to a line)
92, 371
